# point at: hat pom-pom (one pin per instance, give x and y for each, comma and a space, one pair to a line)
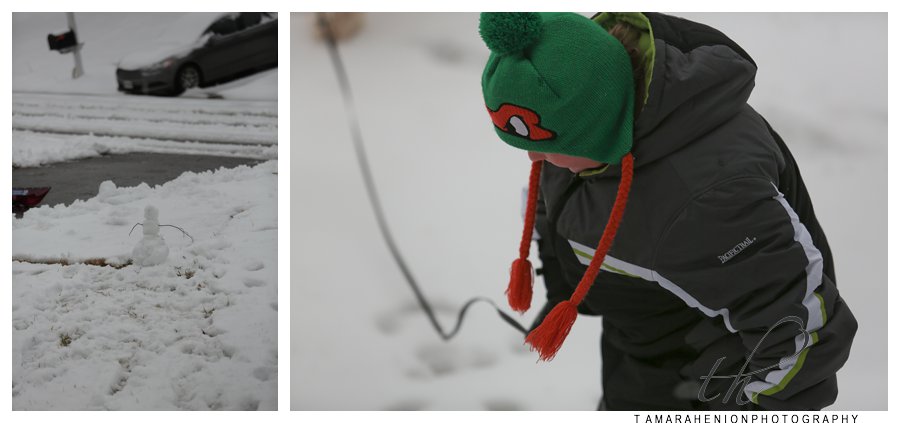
510, 32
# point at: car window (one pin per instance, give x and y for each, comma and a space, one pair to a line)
249, 19
223, 26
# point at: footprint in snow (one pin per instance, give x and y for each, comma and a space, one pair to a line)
263, 374
253, 282
445, 359
435, 358
249, 404
254, 266
120, 379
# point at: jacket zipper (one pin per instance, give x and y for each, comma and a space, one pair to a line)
561, 201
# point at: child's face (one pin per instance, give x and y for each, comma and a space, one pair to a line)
574, 164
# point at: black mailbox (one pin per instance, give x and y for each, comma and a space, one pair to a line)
62, 42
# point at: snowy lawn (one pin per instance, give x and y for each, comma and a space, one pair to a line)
197, 332
452, 191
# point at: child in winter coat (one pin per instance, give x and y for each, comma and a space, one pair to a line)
666, 204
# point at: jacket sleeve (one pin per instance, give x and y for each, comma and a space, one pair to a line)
738, 252
550, 270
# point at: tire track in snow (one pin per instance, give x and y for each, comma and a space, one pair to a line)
267, 124
147, 104
266, 112
212, 138
215, 121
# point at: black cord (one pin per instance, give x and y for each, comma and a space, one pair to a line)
363, 162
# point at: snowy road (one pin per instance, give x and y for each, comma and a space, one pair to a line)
79, 179
49, 128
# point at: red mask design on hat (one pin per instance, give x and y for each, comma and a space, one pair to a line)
520, 121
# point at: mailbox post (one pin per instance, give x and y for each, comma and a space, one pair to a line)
67, 42
79, 70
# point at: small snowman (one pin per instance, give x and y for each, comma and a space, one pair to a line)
151, 250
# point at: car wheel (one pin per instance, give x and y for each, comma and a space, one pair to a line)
188, 77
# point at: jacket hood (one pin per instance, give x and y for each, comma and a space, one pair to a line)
700, 79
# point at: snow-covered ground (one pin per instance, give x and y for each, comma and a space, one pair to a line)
36, 149
452, 194
197, 332
49, 128
147, 117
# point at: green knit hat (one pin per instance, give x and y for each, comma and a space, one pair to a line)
558, 83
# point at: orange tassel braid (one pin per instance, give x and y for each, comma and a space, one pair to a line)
521, 274
550, 335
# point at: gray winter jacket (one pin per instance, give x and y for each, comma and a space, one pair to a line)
719, 261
